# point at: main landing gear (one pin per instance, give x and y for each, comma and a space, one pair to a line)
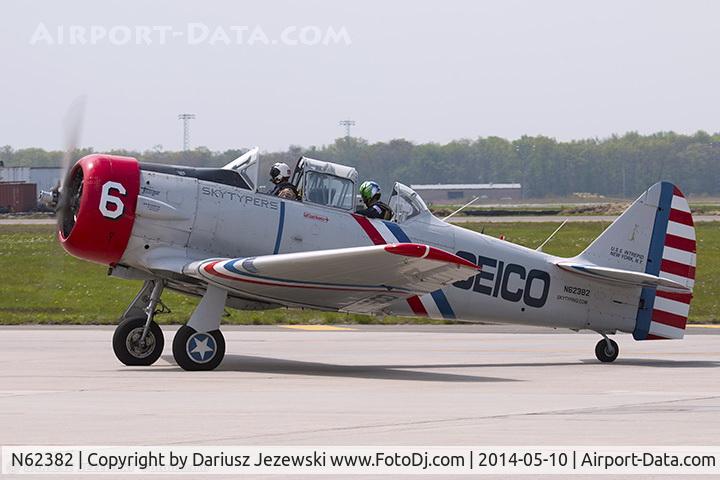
138, 340
198, 345
606, 350
194, 350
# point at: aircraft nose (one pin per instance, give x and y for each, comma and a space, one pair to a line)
96, 212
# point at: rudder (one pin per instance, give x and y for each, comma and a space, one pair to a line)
655, 235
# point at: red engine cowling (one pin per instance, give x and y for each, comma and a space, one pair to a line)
96, 218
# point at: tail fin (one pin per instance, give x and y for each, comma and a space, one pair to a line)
656, 236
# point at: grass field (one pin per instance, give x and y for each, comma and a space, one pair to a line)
41, 284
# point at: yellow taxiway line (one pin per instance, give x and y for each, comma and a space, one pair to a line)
704, 326
316, 328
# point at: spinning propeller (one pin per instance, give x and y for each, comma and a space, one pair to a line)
65, 197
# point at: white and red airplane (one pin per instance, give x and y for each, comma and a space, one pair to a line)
210, 232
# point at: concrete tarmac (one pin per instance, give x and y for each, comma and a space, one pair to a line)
375, 385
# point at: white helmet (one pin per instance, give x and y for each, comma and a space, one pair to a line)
279, 171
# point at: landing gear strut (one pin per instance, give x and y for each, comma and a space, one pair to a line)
200, 345
131, 348
606, 350
138, 340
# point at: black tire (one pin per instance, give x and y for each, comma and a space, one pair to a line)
607, 353
195, 351
127, 348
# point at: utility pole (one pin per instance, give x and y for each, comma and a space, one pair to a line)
347, 124
186, 117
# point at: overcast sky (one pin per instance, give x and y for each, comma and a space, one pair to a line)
422, 70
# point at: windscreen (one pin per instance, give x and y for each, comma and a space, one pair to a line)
328, 190
406, 203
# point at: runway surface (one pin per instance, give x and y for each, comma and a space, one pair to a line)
27, 221
375, 385
362, 386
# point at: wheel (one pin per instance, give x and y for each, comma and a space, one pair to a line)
127, 345
198, 351
607, 350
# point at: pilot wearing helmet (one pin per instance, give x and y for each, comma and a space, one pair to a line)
370, 193
280, 176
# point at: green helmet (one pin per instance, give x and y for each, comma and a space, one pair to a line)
369, 190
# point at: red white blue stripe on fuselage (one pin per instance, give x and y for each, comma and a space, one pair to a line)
433, 305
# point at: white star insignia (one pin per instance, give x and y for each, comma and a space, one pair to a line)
201, 347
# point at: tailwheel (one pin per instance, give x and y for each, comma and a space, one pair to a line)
607, 350
133, 348
195, 350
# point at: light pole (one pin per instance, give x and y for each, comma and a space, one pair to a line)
186, 117
347, 124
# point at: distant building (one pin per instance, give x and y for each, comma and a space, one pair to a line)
44, 178
20, 186
15, 174
455, 194
17, 197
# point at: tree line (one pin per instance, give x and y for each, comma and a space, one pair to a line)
618, 166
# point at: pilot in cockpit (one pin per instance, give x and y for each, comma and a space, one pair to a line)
280, 176
370, 193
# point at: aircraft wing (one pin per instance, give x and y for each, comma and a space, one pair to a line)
358, 279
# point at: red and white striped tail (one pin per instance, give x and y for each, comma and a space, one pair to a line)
671, 309
655, 236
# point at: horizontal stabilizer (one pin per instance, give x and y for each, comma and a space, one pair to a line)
625, 277
651, 245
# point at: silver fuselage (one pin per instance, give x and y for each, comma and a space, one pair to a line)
184, 219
